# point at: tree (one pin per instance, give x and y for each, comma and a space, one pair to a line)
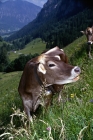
3, 58
1, 39
19, 63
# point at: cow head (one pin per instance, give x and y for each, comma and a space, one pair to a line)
89, 34
56, 71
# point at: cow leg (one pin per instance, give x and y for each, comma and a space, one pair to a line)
59, 97
27, 111
90, 55
28, 108
89, 51
36, 104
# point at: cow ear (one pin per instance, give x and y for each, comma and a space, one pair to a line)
82, 32
41, 68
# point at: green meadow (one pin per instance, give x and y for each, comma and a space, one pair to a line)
71, 119
36, 46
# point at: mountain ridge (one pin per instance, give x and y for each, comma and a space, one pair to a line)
52, 11
16, 14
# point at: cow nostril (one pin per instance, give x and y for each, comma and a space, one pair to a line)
77, 69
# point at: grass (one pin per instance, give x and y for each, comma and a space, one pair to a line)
9, 94
36, 46
71, 119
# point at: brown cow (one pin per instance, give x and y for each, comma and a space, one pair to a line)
44, 75
89, 34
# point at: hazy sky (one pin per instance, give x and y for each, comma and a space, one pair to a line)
36, 2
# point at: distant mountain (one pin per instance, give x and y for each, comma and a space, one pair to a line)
16, 14
52, 12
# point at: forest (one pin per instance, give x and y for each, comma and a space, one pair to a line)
54, 34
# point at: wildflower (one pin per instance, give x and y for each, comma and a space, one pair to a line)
49, 128
91, 101
72, 95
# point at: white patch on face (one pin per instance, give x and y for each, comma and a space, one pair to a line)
59, 82
73, 78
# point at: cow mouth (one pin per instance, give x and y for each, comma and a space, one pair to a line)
76, 78
68, 80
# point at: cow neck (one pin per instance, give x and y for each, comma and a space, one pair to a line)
37, 76
48, 88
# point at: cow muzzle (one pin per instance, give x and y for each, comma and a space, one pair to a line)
73, 77
75, 73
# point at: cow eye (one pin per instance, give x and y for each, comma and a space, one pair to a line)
51, 65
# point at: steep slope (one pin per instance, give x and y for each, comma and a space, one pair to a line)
61, 9
73, 115
15, 14
52, 12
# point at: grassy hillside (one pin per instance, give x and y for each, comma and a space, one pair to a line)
71, 119
36, 46
9, 94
